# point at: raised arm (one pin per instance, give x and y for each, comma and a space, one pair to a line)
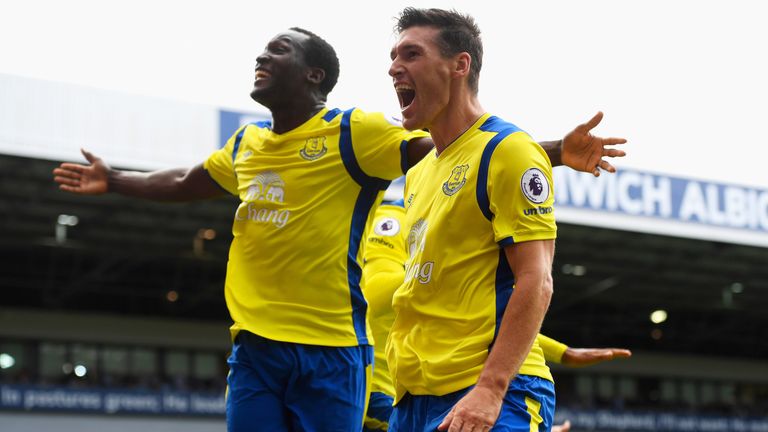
178, 184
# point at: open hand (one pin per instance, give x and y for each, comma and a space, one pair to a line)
583, 151
577, 357
83, 179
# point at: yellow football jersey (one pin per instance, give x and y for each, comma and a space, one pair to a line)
383, 272
294, 263
489, 189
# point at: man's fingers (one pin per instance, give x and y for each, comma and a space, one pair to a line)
614, 152
88, 155
66, 166
68, 181
619, 352
614, 141
607, 166
446, 421
594, 121
602, 355
456, 425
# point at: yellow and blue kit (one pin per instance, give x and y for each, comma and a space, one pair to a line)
383, 272
294, 264
489, 189
292, 284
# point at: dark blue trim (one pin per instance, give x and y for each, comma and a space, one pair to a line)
348, 156
331, 114
495, 124
505, 281
236, 146
369, 193
404, 156
509, 241
502, 129
365, 201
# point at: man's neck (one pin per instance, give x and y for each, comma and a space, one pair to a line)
290, 117
454, 121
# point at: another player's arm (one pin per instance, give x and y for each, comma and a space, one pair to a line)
553, 350
579, 149
384, 258
382, 277
559, 352
178, 184
531, 263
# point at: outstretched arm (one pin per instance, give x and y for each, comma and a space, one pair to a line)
579, 357
579, 149
558, 352
179, 184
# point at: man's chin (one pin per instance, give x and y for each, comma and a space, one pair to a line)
261, 96
411, 124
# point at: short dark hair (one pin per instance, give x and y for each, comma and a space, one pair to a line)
458, 33
319, 53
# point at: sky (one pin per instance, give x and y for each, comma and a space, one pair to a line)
684, 81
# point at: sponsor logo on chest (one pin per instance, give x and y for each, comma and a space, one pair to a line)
266, 190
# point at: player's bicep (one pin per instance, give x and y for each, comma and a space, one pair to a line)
521, 195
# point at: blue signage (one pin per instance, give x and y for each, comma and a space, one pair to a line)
665, 198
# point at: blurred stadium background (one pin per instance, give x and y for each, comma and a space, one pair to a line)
112, 315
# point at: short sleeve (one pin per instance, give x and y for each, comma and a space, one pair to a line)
385, 238
380, 144
520, 191
553, 350
220, 164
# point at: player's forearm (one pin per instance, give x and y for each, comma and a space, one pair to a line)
178, 184
519, 327
554, 150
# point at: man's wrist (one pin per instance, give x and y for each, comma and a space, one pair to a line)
554, 150
113, 180
497, 385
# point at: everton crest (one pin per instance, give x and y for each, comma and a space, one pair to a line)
314, 148
456, 180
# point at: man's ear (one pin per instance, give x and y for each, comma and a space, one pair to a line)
316, 75
463, 64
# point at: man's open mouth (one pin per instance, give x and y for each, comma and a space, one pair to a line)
405, 94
